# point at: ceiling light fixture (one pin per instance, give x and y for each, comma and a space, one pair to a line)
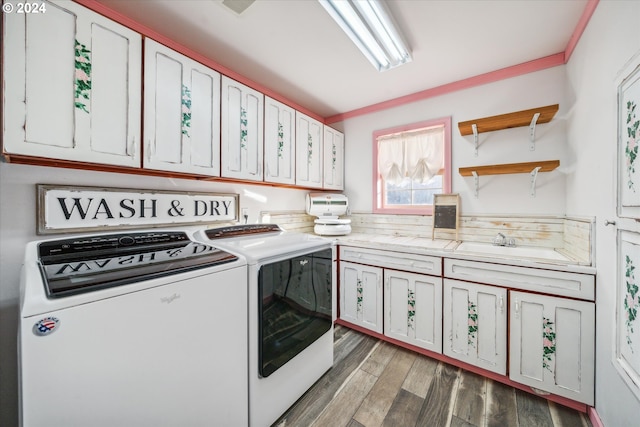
370, 26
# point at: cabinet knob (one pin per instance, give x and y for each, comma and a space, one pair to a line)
607, 222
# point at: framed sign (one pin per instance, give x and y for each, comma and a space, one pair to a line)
628, 122
64, 209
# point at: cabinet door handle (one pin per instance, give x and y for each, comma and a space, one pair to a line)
501, 304
133, 147
152, 149
517, 309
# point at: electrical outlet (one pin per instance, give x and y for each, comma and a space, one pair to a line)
245, 215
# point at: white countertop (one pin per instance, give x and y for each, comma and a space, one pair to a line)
447, 249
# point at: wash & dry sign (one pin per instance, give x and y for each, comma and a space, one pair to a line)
64, 209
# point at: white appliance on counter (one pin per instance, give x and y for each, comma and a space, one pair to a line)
291, 306
137, 329
328, 207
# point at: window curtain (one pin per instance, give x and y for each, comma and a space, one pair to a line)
418, 155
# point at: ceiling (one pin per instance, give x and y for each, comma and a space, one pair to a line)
295, 49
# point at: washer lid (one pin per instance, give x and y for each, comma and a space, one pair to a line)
74, 266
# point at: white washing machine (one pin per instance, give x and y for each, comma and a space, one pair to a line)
133, 329
291, 306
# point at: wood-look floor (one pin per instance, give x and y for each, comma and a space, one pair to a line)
374, 383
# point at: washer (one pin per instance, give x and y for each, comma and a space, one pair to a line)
143, 329
291, 305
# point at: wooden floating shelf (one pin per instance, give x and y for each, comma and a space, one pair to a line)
532, 168
509, 120
545, 166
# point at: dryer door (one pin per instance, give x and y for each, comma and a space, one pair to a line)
294, 307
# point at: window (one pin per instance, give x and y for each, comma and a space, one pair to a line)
411, 163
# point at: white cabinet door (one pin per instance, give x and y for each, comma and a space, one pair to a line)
475, 324
71, 86
242, 131
333, 159
279, 142
309, 155
552, 345
182, 113
361, 295
413, 309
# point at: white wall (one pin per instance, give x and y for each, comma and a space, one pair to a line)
18, 226
498, 193
610, 40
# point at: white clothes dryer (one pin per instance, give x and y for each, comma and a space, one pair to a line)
291, 305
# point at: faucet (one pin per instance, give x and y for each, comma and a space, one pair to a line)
501, 240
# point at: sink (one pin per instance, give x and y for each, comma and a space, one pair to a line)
487, 249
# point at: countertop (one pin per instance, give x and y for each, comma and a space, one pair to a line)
447, 249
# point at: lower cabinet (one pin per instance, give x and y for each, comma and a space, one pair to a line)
552, 345
475, 324
536, 326
413, 309
361, 295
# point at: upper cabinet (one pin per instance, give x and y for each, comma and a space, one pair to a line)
309, 155
279, 142
71, 86
182, 113
242, 131
72, 83
333, 159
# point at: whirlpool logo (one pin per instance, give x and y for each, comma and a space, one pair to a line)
46, 326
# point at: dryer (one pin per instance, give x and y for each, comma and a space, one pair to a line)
291, 280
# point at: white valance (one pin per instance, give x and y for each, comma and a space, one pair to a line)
418, 155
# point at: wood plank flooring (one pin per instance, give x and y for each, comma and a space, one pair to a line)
374, 383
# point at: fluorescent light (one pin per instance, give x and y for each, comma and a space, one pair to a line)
369, 25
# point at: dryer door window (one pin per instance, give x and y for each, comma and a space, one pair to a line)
294, 307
